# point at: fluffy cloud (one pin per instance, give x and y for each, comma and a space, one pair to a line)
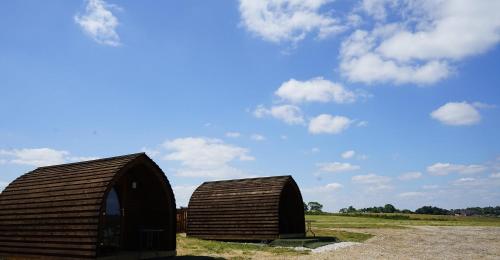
327, 124
465, 181
457, 114
441, 169
287, 20
183, 194
348, 154
40, 157
314, 90
205, 157
495, 175
359, 63
377, 8
35, 156
233, 134
410, 176
99, 22
330, 187
289, 114
373, 181
337, 167
419, 48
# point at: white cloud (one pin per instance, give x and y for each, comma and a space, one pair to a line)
40, 157
206, 157
314, 90
411, 194
373, 181
410, 176
465, 181
99, 22
257, 137
284, 137
348, 154
287, 20
377, 8
183, 194
35, 156
336, 167
315, 150
495, 175
289, 114
233, 134
457, 114
424, 44
327, 124
330, 187
441, 169
370, 179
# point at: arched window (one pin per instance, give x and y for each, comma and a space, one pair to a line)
111, 226
112, 203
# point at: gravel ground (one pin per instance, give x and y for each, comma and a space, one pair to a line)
333, 247
421, 243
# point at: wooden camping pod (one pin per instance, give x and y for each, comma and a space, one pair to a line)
88, 210
247, 209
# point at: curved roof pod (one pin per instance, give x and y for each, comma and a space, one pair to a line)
247, 209
88, 209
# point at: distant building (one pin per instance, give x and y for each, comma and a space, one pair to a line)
109, 207
247, 209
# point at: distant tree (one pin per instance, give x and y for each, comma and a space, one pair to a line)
389, 208
351, 209
343, 210
406, 211
315, 206
306, 208
432, 210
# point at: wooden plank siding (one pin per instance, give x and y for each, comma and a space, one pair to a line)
244, 209
181, 220
54, 211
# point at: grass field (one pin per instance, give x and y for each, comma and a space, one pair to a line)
387, 220
325, 226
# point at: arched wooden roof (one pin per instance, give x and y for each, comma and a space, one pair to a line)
54, 210
244, 209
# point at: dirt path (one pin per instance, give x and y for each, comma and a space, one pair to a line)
422, 243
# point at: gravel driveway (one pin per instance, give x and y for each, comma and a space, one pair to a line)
426, 242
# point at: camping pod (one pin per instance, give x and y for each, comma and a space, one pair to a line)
247, 209
108, 208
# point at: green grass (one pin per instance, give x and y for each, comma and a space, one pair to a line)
397, 220
195, 246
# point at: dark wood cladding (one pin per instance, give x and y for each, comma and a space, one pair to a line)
246, 209
54, 211
181, 220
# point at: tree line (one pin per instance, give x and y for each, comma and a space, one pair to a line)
314, 207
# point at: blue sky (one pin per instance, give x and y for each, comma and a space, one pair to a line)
364, 102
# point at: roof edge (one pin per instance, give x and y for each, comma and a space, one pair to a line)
253, 178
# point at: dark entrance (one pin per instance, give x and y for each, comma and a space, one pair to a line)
137, 216
291, 212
